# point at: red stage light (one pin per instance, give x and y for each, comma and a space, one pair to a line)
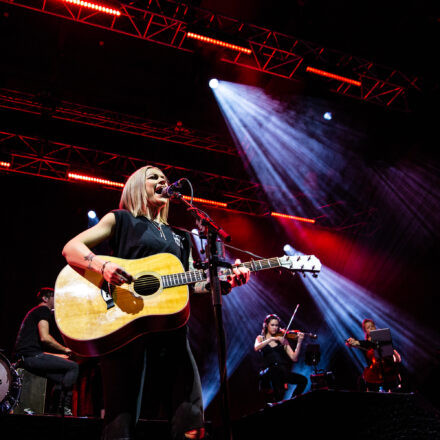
96, 7
5, 164
208, 202
293, 217
84, 178
333, 76
217, 42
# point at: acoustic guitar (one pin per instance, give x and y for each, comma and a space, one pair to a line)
96, 318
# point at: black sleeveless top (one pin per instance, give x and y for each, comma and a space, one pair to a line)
138, 237
275, 356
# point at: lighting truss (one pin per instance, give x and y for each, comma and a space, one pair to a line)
96, 117
55, 160
167, 23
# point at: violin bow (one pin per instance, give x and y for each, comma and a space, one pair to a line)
291, 320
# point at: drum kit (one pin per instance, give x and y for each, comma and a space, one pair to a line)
10, 385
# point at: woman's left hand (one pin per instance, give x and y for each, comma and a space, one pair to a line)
240, 275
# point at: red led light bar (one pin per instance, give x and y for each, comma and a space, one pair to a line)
218, 42
5, 164
84, 178
208, 202
333, 76
293, 217
96, 7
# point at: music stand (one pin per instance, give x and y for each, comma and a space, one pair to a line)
381, 338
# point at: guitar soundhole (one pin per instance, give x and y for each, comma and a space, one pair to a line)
146, 285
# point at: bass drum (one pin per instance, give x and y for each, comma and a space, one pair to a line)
10, 386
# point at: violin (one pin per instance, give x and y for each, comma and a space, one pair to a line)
293, 334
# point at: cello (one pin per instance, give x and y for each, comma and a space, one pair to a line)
381, 370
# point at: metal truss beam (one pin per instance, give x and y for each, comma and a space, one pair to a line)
68, 111
167, 22
54, 160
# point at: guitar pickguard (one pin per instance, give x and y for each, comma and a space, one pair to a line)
107, 295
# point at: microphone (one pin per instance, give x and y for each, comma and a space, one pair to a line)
170, 190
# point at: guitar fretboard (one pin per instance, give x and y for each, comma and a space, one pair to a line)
180, 279
194, 276
256, 265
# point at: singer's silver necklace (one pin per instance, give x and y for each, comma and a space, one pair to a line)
158, 227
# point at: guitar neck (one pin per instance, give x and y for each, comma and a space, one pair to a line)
256, 265
195, 276
180, 279
298, 263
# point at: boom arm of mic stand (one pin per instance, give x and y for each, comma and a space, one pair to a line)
205, 219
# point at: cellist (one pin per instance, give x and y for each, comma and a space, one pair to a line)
378, 374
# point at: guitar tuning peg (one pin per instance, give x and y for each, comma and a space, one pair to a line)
310, 257
304, 274
299, 258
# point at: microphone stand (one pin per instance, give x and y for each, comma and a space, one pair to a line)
214, 261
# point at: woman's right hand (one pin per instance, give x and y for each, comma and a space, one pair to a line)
352, 342
115, 275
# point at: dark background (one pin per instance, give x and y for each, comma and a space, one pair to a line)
74, 62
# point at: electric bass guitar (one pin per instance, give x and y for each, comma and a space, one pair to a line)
96, 317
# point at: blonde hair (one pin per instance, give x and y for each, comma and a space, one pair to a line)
134, 196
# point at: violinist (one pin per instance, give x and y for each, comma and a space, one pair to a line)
378, 373
278, 357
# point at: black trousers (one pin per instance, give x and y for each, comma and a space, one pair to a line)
280, 375
61, 371
164, 363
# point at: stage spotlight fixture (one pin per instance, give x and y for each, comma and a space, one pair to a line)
5, 164
213, 83
289, 250
328, 116
92, 218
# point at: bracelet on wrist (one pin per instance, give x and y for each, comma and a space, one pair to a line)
103, 267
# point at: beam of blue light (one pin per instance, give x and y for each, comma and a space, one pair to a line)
345, 304
285, 149
244, 308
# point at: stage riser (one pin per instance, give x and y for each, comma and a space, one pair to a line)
343, 415
21, 427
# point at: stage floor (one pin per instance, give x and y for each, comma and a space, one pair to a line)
314, 415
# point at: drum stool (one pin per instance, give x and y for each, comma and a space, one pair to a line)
33, 393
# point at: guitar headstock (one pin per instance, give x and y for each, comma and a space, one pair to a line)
301, 263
